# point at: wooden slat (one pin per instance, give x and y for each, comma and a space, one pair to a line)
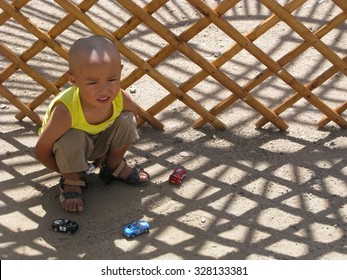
340, 109
19, 104
184, 48
185, 36
229, 54
12, 10
18, 4
165, 52
26, 68
40, 45
44, 96
297, 96
287, 58
40, 34
342, 4
133, 22
306, 34
270, 63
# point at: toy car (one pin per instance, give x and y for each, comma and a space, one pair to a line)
64, 225
135, 228
178, 175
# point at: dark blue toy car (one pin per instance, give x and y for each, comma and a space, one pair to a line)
135, 228
64, 225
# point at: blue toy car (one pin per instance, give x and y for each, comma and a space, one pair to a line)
135, 228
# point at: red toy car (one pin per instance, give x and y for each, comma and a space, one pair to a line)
178, 175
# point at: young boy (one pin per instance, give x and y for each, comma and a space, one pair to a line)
93, 120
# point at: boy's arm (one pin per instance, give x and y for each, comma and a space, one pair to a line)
58, 124
128, 104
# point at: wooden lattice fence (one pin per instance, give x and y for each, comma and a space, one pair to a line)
51, 40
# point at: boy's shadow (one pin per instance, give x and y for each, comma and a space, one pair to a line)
107, 209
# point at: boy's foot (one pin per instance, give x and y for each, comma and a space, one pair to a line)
130, 175
71, 195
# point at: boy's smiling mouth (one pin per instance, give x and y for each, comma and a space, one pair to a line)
103, 99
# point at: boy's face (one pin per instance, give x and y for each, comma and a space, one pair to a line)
98, 78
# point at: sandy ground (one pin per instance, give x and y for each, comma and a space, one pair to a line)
249, 193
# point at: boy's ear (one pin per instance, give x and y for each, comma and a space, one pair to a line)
70, 77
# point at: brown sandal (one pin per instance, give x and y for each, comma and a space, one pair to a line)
108, 175
64, 195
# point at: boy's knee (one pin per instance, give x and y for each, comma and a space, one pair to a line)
127, 122
73, 135
127, 117
72, 138
125, 131
72, 150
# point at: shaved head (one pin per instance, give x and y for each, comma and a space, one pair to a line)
92, 50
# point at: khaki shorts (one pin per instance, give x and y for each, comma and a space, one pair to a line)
75, 147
